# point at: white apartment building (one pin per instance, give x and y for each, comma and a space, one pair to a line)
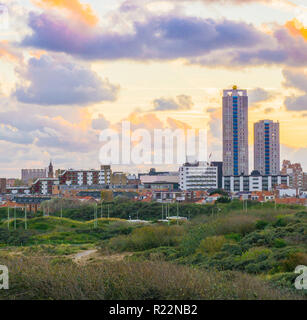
254, 182
198, 176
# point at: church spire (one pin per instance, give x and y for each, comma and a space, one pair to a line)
50, 170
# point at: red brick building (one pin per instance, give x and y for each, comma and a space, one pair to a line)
86, 177
295, 171
43, 185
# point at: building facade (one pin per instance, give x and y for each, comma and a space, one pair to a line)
32, 174
119, 179
254, 182
2, 185
295, 171
235, 132
18, 190
267, 147
198, 176
44, 186
219, 165
92, 177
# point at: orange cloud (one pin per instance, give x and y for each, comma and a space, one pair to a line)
81, 11
7, 52
37, 53
296, 28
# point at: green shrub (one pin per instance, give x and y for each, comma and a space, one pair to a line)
233, 236
148, 237
211, 245
280, 243
260, 225
256, 254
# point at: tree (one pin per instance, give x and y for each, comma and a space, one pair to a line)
18, 183
219, 191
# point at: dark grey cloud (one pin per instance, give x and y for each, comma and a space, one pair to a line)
54, 80
181, 102
298, 80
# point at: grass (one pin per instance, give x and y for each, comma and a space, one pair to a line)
61, 279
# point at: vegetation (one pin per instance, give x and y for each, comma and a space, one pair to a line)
43, 278
221, 252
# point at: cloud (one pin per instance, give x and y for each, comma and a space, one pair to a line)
157, 37
298, 80
295, 155
26, 126
170, 36
177, 124
59, 81
181, 102
296, 103
8, 52
80, 11
284, 49
100, 123
296, 28
268, 110
237, 2
259, 95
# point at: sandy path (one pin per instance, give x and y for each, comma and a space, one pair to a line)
84, 254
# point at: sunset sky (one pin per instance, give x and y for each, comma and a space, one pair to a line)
71, 68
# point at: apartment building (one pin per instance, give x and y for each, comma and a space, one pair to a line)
254, 182
267, 147
235, 132
295, 171
91, 177
198, 176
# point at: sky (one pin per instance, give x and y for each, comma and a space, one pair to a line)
72, 68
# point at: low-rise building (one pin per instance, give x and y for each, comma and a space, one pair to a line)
295, 171
119, 179
2, 185
32, 174
253, 182
44, 186
305, 181
10, 182
262, 196
287, 192
25, 190
90, 177
169, 196
199, 175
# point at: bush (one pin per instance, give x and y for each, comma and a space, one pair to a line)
280, 243
148, 237
260, 225
239, 223
295, 259
211, 245
256, 254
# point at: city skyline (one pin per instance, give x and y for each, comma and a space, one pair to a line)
70, 70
